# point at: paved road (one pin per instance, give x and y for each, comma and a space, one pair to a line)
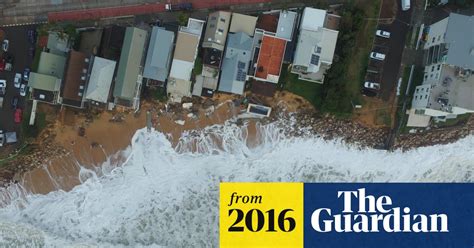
19, 49
399, 29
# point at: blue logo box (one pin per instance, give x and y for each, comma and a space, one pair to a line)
388, 215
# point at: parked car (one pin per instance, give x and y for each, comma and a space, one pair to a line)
5, 45
26, 74
382, 33
3, 86
17, 80
377, 56
32, 34
371, 85
18, 115
23, 90
369, 92
15, 102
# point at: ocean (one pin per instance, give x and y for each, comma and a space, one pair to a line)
166, 196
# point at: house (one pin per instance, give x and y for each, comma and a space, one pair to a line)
129, 79
74, 85
158, 58
213, 47
100, 80
185, 53
447, 89
44, 88
243, 23
58, 43
315, 45
45, 84
236, 62
274, 30
270, 58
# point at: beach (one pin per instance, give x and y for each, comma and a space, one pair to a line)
86, 141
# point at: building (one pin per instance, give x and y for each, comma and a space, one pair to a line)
158, 58
243, 23
448, 84
237, 59
315, 45
100, 80
74, 85
45, 84
129, 79
270, 58
186, 50
58, 43
44, 88
213, 47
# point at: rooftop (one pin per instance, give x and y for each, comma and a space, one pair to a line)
286, 24
243, 23
52, 64
216, 30
270, 57
130, 63
159, 54
313, 18
236, 62
212, 57
460, 40
186, 47
44, 82
100, 79
76, 73
453, 91
58, 43
268, 22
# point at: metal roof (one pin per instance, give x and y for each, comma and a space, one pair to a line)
130, 62
460, 37
100, 79
52, 64
243, 23
216, 30
236, 61
158, 57
44, 82
286, 23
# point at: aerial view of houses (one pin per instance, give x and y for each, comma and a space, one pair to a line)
120, 120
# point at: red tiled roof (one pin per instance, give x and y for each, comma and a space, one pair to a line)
270, 57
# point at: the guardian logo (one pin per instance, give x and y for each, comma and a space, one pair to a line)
374, 215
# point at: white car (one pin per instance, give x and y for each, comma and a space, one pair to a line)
23, 90
377, 56
383, 34
371, 85
3, 86
17, 80
5, 45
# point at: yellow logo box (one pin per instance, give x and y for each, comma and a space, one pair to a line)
261, 215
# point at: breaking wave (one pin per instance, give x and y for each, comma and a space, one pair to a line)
165, 196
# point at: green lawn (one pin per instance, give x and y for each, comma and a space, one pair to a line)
35, 64
308, 90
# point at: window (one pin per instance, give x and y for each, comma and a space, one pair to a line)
222, 20
426, 96
439, 37
433, 40
212, 26
432, 68
439, 67
417, 90
221, 30
213, 18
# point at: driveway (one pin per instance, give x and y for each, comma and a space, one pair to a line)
399, 29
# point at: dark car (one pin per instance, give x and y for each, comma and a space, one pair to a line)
369, 92
26, 74
2, 64
9, 58
32, 34
15, 102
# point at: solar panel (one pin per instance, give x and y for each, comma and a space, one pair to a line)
241, 75
241, 65
314, 59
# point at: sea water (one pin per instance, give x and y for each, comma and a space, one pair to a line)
168, 196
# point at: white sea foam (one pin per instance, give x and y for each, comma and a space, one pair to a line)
165, 196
